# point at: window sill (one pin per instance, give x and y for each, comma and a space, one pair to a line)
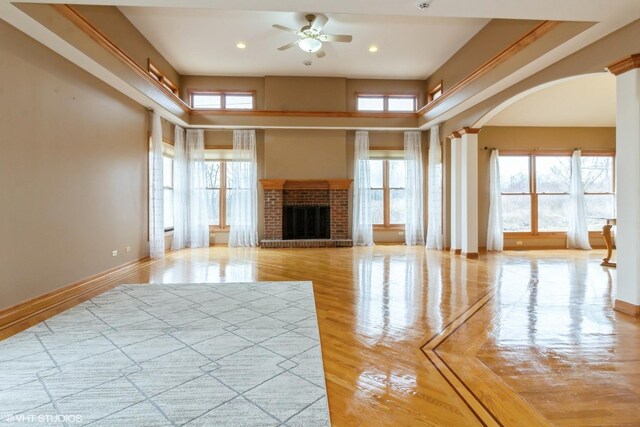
544, 235
393, 227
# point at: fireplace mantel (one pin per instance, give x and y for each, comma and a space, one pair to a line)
306, 184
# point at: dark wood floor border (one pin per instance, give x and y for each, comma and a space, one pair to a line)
28, 313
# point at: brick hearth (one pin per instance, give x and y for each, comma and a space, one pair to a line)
281, 193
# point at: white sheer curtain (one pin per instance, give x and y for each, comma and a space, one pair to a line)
156, 190
578, 233
190, 210
198, 234
362, 225
414, 213
180, 192
243, 190
495, 231
434, 228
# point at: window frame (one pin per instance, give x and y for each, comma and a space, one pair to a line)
161, 78
172, 188
386, 198
223, 99
435, 92
385, 102
222, 223
533, 191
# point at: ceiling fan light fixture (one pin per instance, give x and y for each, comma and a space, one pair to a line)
310, 44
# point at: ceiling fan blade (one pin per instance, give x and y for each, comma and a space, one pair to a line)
321, 53
287, 46
319, 23
335, 38
283, 28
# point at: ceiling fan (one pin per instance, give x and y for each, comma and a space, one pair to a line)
310, 38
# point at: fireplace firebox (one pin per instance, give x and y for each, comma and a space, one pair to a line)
306, 222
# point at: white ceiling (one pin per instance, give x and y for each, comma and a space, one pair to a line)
562, 10
203, 42
588, 101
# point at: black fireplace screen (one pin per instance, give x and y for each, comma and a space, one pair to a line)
306, 222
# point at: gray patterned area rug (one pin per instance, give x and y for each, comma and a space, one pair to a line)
234, 354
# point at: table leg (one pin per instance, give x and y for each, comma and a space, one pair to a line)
606, 233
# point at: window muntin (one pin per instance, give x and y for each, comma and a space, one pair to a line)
535, 191
387, 180
222, 100
167, 184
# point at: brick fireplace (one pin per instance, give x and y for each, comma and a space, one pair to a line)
281, 193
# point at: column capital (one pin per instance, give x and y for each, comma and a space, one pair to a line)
469, 131
628, 63
454, 135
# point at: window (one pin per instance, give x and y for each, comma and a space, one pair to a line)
214, 171
599, 188
435, 93
220, 181
387, 181
167, 184
535, 191
390, 103
222, 100
162, 79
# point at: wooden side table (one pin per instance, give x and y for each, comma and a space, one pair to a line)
606, 233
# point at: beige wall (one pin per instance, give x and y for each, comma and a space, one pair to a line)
305, 94
111, 22
527, 138
305, 154
493, 38
73, 165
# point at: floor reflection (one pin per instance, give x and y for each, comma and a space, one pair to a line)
388, 287
202, 266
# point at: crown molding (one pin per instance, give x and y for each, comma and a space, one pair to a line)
629, 63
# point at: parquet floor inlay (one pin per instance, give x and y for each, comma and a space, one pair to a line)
416, 337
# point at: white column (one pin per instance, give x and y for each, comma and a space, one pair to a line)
456, 194
469, 203
628, 185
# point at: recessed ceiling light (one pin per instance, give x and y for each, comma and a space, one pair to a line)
373, 48
241, 45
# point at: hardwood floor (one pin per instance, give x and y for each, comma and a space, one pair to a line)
414, 337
